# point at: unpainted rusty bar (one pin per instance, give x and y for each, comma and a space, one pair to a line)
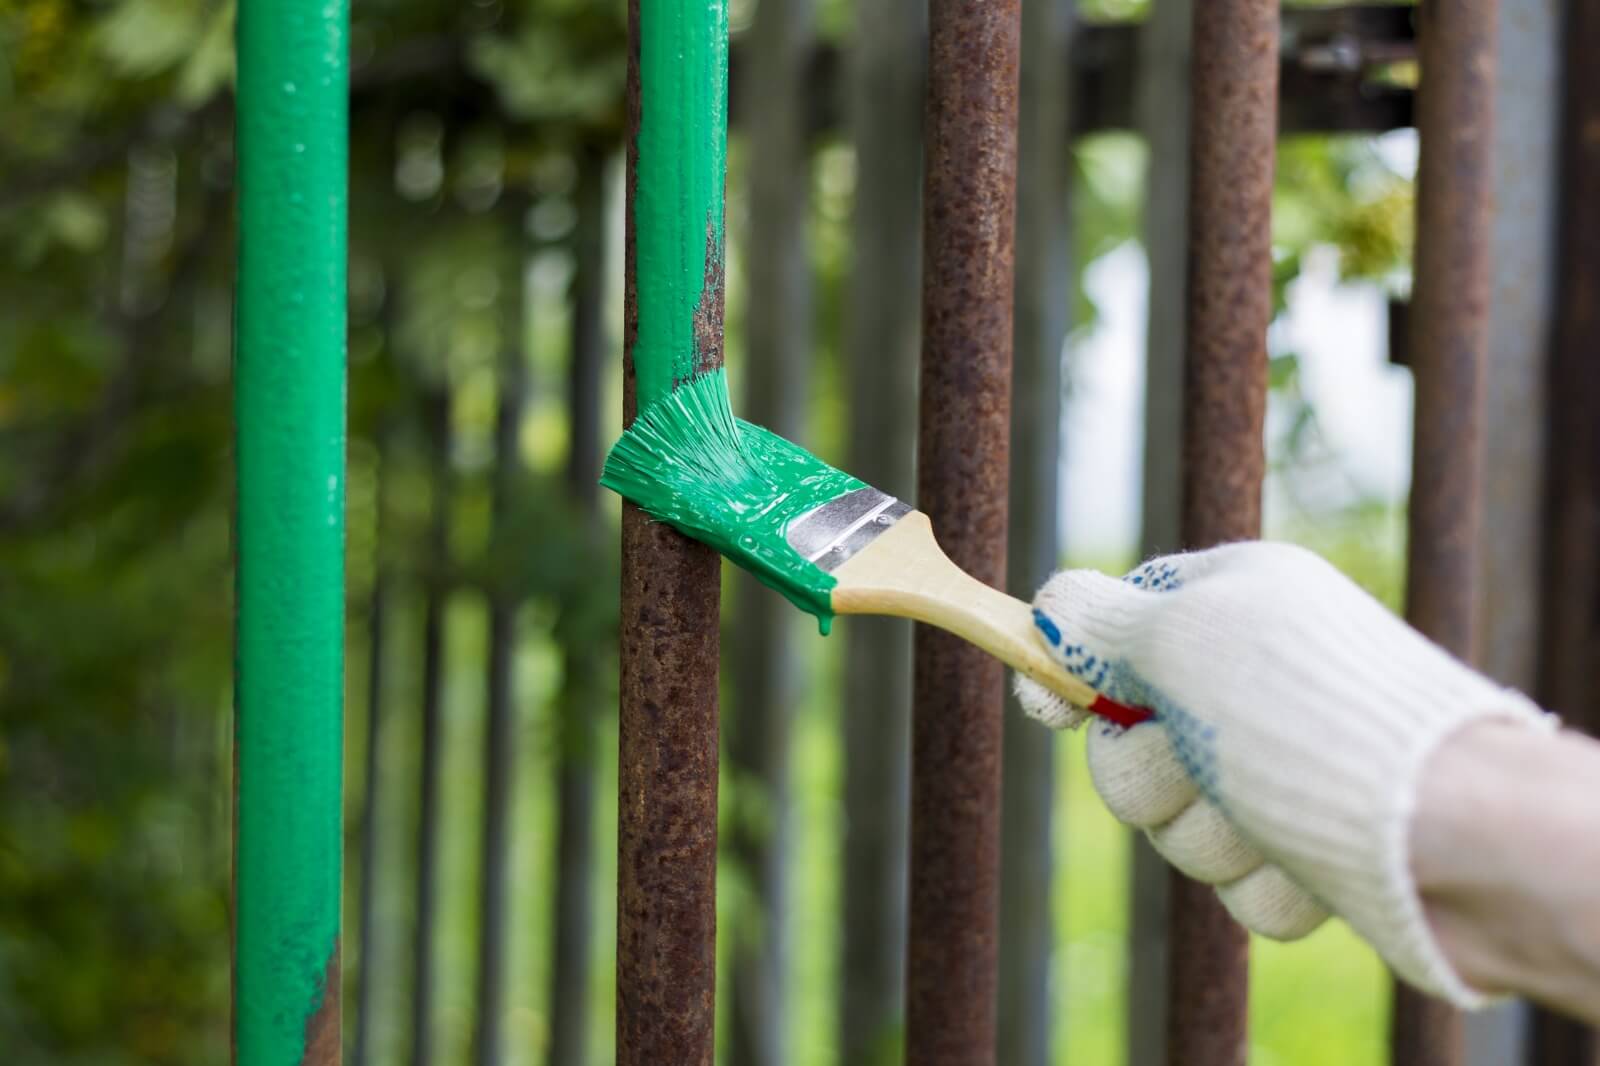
1569, 677
1233, 140
1449, 355
963, 455
669, 649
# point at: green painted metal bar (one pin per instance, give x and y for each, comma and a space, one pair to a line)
681, 146
289, 388
677, 107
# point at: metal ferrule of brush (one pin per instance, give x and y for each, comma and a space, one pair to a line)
829, 535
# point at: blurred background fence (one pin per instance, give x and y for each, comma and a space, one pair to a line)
485, 362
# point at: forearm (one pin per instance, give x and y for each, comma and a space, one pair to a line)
1506, 852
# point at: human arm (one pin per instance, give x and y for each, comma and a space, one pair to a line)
1506, 853
1298, 721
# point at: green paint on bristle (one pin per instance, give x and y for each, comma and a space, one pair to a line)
688, 462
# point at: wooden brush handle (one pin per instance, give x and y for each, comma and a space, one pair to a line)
906, 574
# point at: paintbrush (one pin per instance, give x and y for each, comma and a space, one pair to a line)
830, 543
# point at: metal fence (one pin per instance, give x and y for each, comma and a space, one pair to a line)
1254, 72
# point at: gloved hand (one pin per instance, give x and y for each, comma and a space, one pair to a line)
1294, 714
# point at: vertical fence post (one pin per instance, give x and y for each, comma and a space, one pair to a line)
500, 712
1233, 140
764, 674
1163, 117
881, 350
1449, 350
962, 480
430, 816
574, 904
289, 387
374, 796
1522, 302
677, 95
1569, 633
1043, 300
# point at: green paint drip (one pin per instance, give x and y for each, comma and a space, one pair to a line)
289, 381
682, 160
687, 461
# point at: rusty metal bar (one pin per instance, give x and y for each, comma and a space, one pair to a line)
1334, 74
963, 454
1449, 352
671, 587
1233, 141
1569, 681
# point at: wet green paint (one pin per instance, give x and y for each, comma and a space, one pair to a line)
289, 404
682, 162
687, 461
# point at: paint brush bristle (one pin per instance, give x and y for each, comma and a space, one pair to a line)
687, 461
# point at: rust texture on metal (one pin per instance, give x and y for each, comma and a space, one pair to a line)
1449, 353
969, 202
1232, 147
667, 761
1231, 151
1333, 73
323, 1047
1569, 662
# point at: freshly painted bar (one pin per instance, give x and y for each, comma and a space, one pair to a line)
289, 388
682, 145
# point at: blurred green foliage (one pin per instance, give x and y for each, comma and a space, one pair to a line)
469, 124
115, 466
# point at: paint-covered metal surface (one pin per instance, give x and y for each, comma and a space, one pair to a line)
963, 454
1569, 682
289, 381
678, 137
1233, 135
671, 586
734, 486
1449, 351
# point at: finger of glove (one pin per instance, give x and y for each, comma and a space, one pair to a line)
1047, 707
1202, 843
1266, 901
1086, 607
1137, 774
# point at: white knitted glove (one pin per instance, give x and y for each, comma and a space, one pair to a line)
1294, 714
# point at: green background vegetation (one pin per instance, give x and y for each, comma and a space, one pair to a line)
115, 503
